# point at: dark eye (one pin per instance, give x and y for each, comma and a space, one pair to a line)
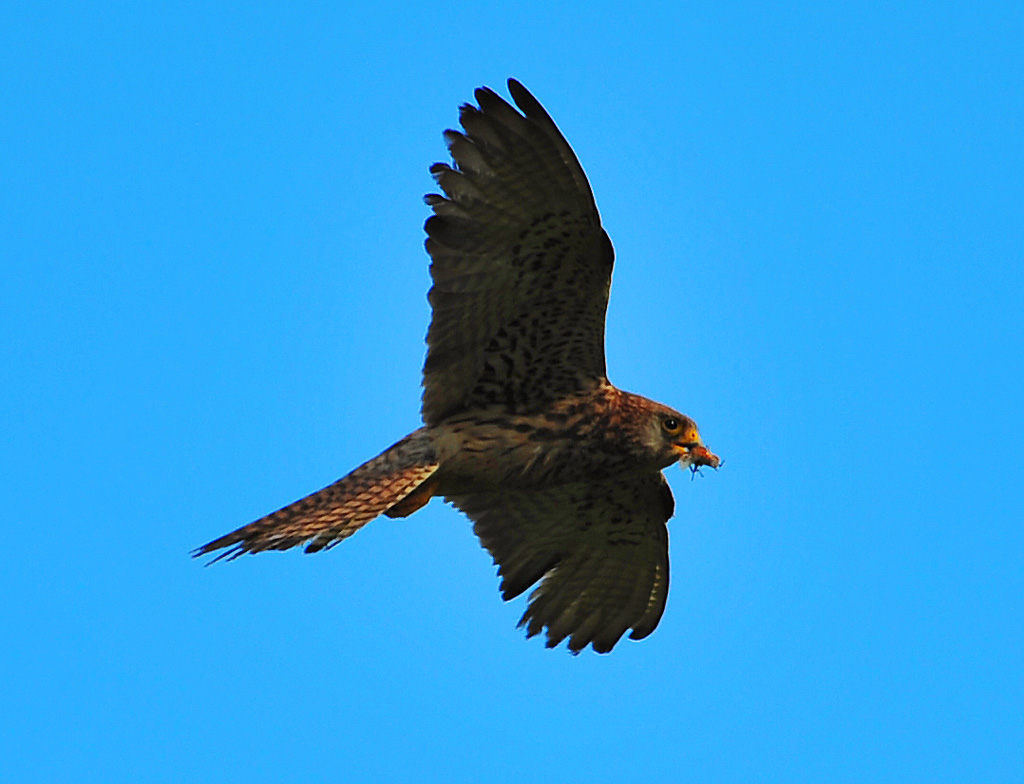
671, 425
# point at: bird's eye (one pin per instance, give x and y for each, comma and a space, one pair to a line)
671, 425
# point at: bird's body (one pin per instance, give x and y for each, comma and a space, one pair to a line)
576, 438
559, 470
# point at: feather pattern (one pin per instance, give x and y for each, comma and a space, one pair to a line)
520, 264
599, 550
326, 517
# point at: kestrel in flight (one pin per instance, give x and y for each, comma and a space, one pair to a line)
560, 471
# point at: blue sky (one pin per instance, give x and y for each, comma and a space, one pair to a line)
213, 302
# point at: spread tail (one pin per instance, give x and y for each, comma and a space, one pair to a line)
395, 482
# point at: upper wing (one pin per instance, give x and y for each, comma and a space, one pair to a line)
601, 549
520, 264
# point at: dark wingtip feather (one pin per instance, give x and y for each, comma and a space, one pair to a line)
483, 94
524, 99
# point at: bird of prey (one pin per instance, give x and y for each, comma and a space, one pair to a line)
560, 472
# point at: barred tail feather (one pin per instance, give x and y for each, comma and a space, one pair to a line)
326, 517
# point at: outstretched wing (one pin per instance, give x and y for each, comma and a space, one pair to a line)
599, 550
520, 264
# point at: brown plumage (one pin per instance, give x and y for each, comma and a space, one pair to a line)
559, 470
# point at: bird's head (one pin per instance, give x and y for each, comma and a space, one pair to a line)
674, 436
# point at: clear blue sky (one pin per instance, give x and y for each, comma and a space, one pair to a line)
212, 301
